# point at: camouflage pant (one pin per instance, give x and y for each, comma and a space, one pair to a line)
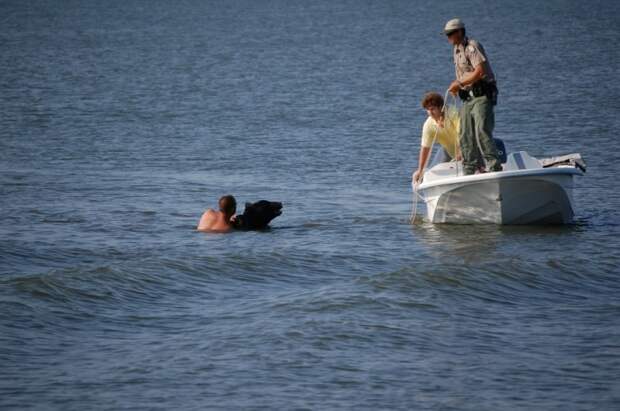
478, 119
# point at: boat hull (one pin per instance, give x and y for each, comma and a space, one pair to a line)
529, 198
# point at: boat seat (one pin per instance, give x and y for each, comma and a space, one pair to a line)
521, 160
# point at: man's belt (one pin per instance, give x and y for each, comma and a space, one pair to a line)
480, 88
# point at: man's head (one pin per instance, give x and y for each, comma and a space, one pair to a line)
433, 103
432, 100
228, 205
455, 31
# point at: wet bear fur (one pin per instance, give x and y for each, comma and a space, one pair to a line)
258, 215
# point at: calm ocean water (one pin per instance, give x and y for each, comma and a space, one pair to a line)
123, 120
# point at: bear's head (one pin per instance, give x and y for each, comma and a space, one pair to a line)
258, 215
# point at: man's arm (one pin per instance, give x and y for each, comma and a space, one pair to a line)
469, 78
424, 153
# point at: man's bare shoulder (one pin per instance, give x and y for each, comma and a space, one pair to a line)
207, 219
213, 221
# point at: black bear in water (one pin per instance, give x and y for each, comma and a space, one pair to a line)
257, 216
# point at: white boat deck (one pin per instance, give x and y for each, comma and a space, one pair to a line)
518, 164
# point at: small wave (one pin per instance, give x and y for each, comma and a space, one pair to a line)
63, 219
514, 282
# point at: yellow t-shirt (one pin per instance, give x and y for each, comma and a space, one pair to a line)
448, 136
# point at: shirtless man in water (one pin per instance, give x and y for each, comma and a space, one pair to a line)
219, 221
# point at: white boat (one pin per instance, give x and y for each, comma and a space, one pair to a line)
527, 191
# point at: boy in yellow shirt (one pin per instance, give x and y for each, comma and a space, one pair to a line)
443, 127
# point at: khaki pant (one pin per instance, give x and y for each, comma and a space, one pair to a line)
478, 119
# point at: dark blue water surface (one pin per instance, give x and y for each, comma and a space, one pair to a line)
123, 120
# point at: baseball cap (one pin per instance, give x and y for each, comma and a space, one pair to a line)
453, 25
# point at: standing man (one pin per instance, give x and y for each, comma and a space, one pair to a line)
475, 85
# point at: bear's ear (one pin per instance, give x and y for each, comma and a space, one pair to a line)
248, 205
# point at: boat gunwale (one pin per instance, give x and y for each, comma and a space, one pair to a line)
474, 178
